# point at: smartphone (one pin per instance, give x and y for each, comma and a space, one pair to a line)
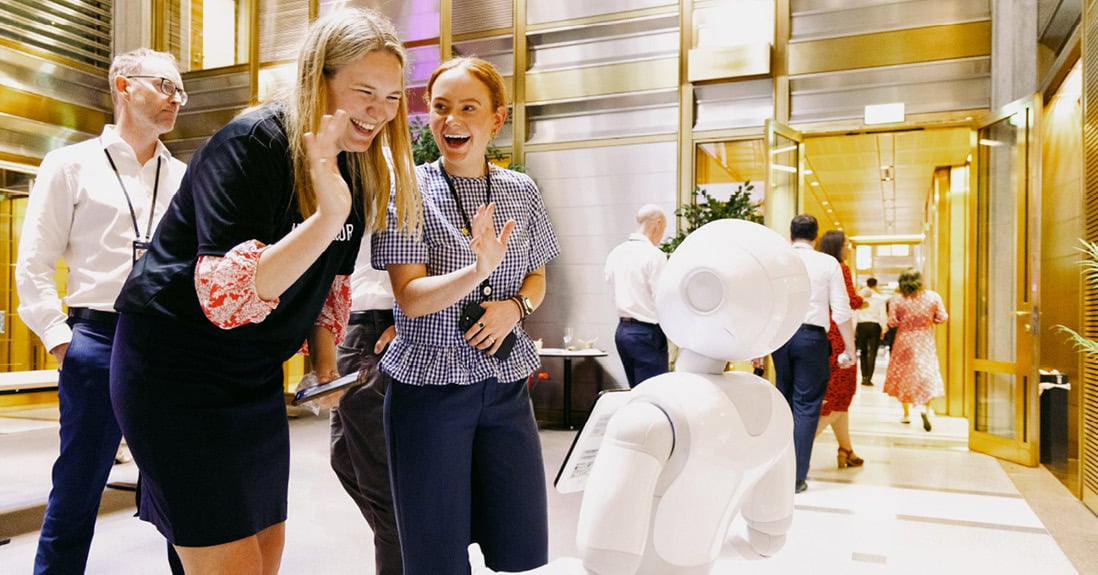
469, 316
323, 389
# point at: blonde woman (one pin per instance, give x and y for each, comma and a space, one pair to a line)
250, 261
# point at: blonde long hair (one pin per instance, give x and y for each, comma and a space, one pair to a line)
332, 42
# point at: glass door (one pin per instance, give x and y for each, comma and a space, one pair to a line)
785, 161
1001, 394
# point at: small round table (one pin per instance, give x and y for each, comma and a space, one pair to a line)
568, 355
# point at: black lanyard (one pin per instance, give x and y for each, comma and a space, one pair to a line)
485, 287
133, 214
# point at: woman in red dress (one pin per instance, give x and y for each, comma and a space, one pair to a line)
843, 382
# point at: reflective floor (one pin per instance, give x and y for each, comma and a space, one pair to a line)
921, 504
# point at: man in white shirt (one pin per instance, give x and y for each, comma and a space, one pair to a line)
801, 366
359, 455
869, 323
633, 269
95, 204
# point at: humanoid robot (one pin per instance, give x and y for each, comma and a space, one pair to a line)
688, 450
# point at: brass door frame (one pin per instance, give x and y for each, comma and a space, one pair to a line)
782, 205
1023, 447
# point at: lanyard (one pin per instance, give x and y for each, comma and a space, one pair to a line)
485, 287
133, 214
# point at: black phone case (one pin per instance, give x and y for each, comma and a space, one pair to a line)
469, 316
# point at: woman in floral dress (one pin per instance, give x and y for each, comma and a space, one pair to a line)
913, 375
843, 381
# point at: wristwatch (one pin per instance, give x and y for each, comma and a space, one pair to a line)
524, 303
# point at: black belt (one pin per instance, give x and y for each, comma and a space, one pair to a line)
88, 314
813, 327
371, 316
631, 320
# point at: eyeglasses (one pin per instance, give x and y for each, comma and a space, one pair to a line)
168, 88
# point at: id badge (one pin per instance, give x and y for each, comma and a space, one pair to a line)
139, 249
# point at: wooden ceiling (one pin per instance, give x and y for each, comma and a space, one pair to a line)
878, 184
875, 184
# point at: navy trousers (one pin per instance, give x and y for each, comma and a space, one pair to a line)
642, 348
467, 468
802, 370
358, 452
89, 441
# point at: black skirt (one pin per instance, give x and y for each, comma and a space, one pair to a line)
205, 420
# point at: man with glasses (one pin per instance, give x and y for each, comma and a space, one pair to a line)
95, 204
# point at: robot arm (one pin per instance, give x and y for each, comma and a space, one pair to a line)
616, 515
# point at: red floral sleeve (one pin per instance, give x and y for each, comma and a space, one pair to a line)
336, 311
226, 287
337, 308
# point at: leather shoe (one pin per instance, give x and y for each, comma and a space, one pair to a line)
801, 486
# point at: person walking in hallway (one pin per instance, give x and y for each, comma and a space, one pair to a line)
801, 365
842, 383
913, 375
95, 204
870, 323
633, 269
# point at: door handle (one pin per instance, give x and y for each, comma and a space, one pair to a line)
1028, 327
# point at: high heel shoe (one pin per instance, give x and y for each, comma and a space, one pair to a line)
846, 458
926, 421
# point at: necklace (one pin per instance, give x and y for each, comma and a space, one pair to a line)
467, 223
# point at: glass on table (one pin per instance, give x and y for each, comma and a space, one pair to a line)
568, 338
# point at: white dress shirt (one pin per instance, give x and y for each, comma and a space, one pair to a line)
633, 268
77, 211
875, 312
370, 288
828, 289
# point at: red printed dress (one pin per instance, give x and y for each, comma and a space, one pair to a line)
843, 382
913, 374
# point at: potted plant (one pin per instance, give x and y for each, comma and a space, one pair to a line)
1090, 274
698, 213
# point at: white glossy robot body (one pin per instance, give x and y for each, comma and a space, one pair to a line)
692, 448
732, 451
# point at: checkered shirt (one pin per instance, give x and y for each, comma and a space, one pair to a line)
430, 350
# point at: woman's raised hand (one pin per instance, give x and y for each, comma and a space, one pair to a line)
332, 195
488, 247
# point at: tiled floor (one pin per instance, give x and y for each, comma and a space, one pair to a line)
922, 504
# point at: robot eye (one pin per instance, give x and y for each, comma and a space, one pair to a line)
702, 291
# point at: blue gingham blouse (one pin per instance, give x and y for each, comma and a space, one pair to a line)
430, 350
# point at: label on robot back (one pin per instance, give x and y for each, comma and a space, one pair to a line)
576, 468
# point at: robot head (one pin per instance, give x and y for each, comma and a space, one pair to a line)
733, 290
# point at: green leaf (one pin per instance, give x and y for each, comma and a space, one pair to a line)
700, 212
1090, 274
